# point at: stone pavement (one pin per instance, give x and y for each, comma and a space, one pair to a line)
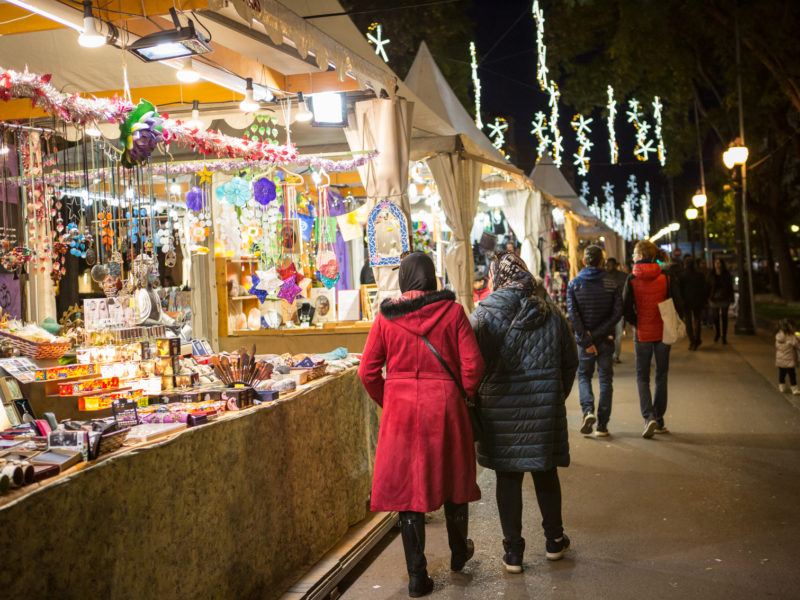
711, 510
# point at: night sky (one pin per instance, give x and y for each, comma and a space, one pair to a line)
505, 37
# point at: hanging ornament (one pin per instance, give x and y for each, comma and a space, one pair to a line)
289, 290
236, 192
195, 199
264, 191
140, 133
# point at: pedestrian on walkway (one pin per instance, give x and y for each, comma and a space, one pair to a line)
694, 290
619, 277
425, 455
721, 298
594, 305
530, 368
787, 347
480, 285
644, 290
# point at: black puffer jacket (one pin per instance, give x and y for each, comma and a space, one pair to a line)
530, 368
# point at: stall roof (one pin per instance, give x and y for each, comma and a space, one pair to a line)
549, 179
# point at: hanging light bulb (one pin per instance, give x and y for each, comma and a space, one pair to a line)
175, 188
303, 114
195, 122
90, 37
92, 130
3, 149
249, 104
187, 74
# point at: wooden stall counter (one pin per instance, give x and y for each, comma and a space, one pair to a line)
308, 340
236, 508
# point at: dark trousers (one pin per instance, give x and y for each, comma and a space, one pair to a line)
653, 406
782, 373
509, 504
721, 322
694, 317
605, 374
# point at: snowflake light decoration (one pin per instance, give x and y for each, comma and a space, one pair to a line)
558, 146
539, 130
581, 126
657, 114
497, 132
632, 222
377, 39
636, 118
612, 133
476, 84
541, 49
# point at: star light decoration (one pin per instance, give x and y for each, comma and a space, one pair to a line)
539, 130
657, 113
612, 133
378, 40
497, 132
581, 126
632, 222
558, 146
636, 118
476, 85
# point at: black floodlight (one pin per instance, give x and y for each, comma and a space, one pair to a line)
180, 42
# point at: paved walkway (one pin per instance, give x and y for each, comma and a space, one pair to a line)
711, 510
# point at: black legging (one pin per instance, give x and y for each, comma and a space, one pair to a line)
509, 504
721, 314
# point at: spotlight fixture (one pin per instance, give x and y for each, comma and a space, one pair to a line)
249, 104
303, 114
187, 74
174, 43
90, 37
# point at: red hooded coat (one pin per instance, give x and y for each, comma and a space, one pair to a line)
649, 289
425, 453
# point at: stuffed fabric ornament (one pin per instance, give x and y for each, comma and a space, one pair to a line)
288, 271
140, 133
264, 191
289, 290
236, 192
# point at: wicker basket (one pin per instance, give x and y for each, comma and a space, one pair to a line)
36, 350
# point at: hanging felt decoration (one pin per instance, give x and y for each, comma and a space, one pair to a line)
289, 290
236, 192
195, 199
327, 265
289, 270
140, 133
264, 191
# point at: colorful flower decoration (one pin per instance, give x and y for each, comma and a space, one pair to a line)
195, 199
264, 191
289, 290
140, 133
236, 192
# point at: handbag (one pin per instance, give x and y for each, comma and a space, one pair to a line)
472, 406
674, 328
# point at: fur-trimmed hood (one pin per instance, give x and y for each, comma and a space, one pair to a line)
399, 307
421, 314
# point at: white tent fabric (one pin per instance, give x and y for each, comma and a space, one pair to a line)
571, 230
523, 209
385, 126
458, 181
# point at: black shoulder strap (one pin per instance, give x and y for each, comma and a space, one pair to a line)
438, 356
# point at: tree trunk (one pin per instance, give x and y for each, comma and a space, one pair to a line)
772, 276
776, 227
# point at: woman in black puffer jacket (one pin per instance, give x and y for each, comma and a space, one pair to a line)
531, 360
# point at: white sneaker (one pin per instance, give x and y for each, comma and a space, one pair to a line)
782, 387
795, 390
650, 429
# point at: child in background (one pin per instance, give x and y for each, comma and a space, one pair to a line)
787, 345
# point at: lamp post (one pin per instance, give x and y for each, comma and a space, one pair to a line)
699, 200
691, 215
736, 156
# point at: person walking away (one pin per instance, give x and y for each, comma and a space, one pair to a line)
480, 285
619, 277
594, 306
787, 346
644, 290
694, 290
721, 298
531, 361
425, 455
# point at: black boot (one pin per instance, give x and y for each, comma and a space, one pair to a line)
461, 548
413, 533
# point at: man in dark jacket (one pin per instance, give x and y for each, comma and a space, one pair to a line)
694, 290
594, 305
619, 277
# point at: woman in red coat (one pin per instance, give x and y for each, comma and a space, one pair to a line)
425, 455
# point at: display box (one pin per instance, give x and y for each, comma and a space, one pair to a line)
168, 347
237, 398
65, 372
91, 385
167, 365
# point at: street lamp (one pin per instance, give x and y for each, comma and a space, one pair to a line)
691, 215
736, 156
701, 201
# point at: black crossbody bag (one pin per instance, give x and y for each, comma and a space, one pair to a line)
472, 407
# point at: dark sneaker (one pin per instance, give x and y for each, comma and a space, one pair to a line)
512, 562
556, 548
601, 431
588, 422
650, 429
661, 428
